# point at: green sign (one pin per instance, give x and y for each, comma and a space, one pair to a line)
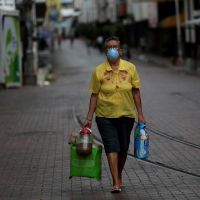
11, 51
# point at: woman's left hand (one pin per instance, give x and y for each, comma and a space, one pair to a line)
141, 119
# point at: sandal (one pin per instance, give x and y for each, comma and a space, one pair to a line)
116, 189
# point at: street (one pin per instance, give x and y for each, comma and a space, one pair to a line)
35, 123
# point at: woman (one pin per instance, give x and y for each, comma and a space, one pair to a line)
115, 93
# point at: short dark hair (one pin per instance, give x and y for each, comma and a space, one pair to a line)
112, 38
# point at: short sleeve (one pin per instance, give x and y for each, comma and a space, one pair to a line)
136, 83
94, 83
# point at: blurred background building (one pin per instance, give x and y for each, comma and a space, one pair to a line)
169, 28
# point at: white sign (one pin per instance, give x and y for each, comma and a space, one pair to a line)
7, 4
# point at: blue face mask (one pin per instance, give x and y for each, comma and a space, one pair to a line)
112, 54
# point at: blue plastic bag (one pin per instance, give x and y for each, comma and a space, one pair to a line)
141, 142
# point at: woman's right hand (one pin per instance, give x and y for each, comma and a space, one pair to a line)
87, 123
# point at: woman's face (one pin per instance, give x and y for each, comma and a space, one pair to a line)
113, 44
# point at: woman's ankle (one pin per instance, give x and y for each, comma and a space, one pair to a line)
120, 180
116, 183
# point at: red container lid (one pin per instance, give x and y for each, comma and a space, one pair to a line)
85, 131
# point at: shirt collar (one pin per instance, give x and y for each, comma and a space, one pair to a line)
121, 66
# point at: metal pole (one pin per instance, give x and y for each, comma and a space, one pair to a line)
178, 27
193, 35
187, 35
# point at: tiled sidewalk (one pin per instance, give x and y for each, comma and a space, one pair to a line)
35, 123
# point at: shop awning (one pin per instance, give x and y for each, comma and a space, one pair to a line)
170, 22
